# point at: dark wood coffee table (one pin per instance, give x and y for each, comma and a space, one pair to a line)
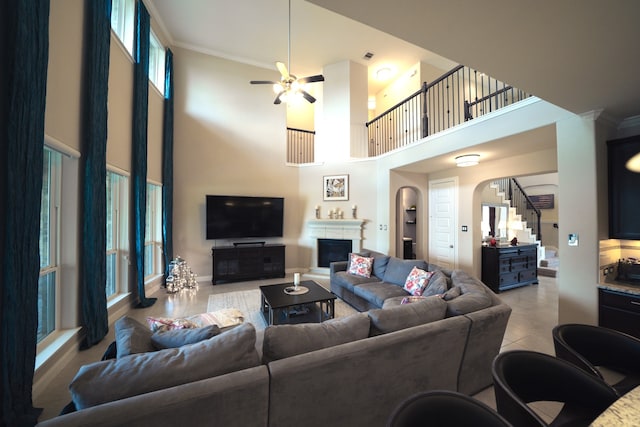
279, 307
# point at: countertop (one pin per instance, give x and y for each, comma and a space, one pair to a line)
623, 412
621, 287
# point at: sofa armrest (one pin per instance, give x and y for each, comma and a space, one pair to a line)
337, 266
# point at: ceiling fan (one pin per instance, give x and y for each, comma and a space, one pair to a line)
289, 86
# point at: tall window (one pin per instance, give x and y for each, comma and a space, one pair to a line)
122, 22
156, 62
153, 232
117, 226
49, 226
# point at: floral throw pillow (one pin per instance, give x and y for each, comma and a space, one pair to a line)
417, 281
360, 265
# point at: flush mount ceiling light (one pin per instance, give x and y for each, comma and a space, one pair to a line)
384, 73
467, 160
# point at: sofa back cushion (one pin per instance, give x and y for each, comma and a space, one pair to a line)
474, 295
426, 310
132, 337
398, 269
136, 374
281, 341
438, 284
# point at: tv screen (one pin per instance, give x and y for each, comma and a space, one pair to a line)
230, 217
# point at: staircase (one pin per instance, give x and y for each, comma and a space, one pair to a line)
524, 217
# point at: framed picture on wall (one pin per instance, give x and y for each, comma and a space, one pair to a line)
335, 187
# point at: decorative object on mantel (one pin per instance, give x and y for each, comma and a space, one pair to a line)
335, 213
317, 211
180, 276
354, 210
335, 187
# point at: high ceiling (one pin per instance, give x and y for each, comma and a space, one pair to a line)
581, 55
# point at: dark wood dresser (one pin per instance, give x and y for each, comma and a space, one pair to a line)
506, 267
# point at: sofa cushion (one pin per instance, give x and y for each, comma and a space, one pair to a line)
348, 281
385, 320
417, 281
132, 337
380, 262
364, 253
282, 341
438, 284
377, 292
398, 269
360, 265
452, 293
136, 374
179, 337
473, 296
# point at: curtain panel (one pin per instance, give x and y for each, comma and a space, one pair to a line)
93, 264
167, 164
24, 43
139, 150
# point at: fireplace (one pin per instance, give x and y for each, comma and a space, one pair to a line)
346, 231
330, 250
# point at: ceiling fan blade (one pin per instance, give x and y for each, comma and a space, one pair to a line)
312, 79
283, 70
308, 96
262, 82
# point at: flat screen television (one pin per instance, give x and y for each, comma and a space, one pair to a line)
230, 217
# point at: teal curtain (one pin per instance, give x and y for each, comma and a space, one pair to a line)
167, 163
93, 264
24, 43
139, 150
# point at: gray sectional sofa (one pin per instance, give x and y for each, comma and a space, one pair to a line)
350, 371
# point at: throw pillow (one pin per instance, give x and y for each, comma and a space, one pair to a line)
409, 300
168, 324
137, 374
417, 281
282, 341
360, 265
131, 337
179, 337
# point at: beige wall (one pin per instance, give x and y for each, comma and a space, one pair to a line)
229, 139
120, 106
64, 75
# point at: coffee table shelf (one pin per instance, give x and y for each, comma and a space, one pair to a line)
278, 307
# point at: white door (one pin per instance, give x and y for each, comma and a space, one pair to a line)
443, 211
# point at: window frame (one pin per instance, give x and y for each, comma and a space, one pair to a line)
51, 268
153, 232
123, 14
157, 58
120, 232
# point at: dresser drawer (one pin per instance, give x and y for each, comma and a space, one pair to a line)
508, 279
528, 275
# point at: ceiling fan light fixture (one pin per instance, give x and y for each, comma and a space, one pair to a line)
467, 160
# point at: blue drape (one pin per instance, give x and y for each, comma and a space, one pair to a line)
167, 163
139, 140
93, 270
24, 45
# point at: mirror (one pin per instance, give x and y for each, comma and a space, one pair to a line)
494, 221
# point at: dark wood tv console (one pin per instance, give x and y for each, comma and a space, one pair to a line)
250, 262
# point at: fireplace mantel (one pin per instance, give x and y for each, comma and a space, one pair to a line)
345, 229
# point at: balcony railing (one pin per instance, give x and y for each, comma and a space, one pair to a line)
460, 95
300, 145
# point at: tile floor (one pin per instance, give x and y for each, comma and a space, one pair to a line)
535, 312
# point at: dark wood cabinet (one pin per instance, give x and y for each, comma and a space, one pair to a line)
506, 267
624, 189
235, 263
619, 310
